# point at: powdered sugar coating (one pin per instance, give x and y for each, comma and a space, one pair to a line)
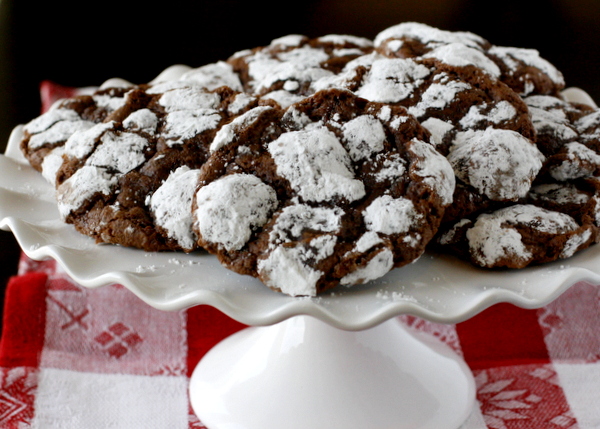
461, 55
379, 265
449, 235
122, 152
189, 97
159, 88
348, 75
565, 190
316, 164
574, 243
434, 169
589, 124
568, 134
451, 105
185, 124
82, 142
143, 120
51, 164
438, 129
212, 76
228, 132
559, 193
58, 132
344, 170
514, 57
131, 149
342, 39
294, 219
51, 117
437, 96
285, 270
364, 136
429, 93
550, 119
191, 110
367, 241
579, 161
301, 64
393, 166
240, 103
496, 114
171, 206
349, 150
108, 101
492, 238
285, 69
290, 265
500, 164
428, 35
282, 97
229, 208
392, 80
289, 40
388, 215
82, 186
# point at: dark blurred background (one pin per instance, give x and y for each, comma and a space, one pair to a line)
75, 44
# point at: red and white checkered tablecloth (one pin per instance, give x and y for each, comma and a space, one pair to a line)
74, 357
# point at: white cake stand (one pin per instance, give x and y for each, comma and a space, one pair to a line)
341, 360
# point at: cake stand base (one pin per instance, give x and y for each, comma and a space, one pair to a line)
303, 373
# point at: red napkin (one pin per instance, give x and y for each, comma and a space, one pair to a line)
74, 357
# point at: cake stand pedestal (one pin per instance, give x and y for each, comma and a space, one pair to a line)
304, 373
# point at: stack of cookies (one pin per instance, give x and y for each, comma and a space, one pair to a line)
313, 163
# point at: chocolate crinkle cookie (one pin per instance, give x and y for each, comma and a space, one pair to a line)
476, 120
482, 126
332, 190
517, 236
560, 214
568, 135
523, 70
286, 69
45, 136
114, 170
315, 162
